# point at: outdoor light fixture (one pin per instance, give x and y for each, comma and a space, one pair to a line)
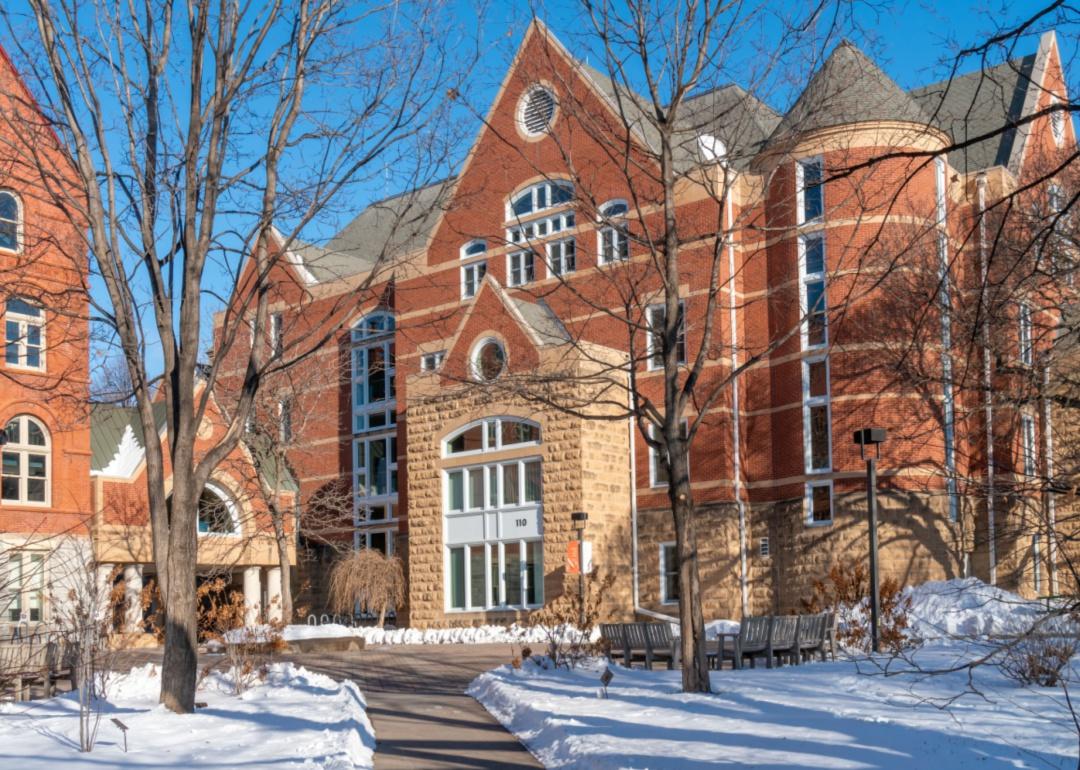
872, 438
578, 518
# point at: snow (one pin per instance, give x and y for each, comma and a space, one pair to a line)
843, 715
293, 718
129, 454
372, 635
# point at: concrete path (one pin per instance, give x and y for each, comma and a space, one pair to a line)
416, 700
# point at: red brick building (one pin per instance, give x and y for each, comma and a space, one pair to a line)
532, 266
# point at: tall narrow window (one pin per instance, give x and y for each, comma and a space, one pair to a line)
561, 257
24, 334
285, 426
669, 574
655, 317
809, 178
819, 503
471, 276
614, 245
1036, 566
277, 345
658, 471
818, 444
25, 588
373, 373
1057, 122
10, 221
520, 268
375, 454
24, 471
1027, 444
812, 264
1026, 347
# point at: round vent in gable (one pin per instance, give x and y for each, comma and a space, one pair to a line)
537, 110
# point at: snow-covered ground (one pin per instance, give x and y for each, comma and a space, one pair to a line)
294, 718
843, 715
513, 634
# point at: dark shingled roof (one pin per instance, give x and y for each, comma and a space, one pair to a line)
976, 104
389, 228
848, 88
108, 423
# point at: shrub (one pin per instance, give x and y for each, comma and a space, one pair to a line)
566, 641
1038, 660
846, 591
369, 579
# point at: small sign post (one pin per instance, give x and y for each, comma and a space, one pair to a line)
123, 730
605, 679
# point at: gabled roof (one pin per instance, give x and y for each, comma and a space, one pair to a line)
980, 103
848, 88
387, 229
541, 321
116, 437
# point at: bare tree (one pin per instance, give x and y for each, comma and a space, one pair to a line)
205, 136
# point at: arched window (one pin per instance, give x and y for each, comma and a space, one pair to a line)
614, 245
540, 197
24, 334
493, 517
25, 462
10, 221
375, 486
217, 512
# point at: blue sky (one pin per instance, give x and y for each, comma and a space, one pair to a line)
913, 41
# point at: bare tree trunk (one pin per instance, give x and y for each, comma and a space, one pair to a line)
281, 537
695, 670
180, 657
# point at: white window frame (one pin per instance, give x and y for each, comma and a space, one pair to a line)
363, 499
520, 267
800, 188
664, 598
25, 321
548, 187
18, 222
277, 341
1036, 573
363, 340
1057, 122
1026, 344
557, 257
1028, 460
541, 228
805, 279
620, 240
472, 273
654, 457
430, 362
230, 506
285, 426
808, 503
812, 401
653, 357
364, 537
491, 436
24, 450
19, 590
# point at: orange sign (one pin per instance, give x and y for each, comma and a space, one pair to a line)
573, 550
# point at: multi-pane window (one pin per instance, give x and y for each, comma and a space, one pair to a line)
430, 362
542, 196
22, 591
373, 395
811, 199
562, 258
669, 574
471, 276
10, 221
493, 511
520, 268
655, 317
1027, 444
375, 478
658, 471
819, 502
541, 228
1026, 347
24, 334
816, 415
614, 245
24, 471
812, 248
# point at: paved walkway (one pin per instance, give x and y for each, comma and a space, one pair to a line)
417, 703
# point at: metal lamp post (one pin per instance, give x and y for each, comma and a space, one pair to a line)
872, 437
579, 518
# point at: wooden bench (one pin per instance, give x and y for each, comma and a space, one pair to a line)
814, 636
640, 642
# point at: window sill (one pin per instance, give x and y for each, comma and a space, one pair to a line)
816, 524
476, 610
22, 368
669, 602
25, 503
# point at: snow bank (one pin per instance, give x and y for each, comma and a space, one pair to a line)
823, 715
294, 718
967, 608
513, 634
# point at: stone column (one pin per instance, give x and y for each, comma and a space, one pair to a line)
104, 588
252, 595
273, 594
133, 585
